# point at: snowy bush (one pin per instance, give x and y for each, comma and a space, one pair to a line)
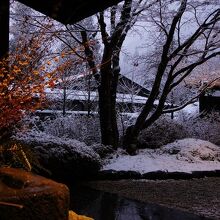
166, 130
62, 156
192, 150
204, 127
78, 127
42, 139
162, 132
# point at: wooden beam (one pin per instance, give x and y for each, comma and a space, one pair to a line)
69, 11
4, 27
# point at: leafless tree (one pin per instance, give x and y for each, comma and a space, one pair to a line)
122, 19
182, 51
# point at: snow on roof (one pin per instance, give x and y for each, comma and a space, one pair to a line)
51, 111
185, 155
84, 95
76, 77
213, 85
203, 77
83, 75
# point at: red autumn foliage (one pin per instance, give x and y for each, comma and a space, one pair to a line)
24, 75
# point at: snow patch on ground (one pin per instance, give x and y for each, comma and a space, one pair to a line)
185, 155
191, 109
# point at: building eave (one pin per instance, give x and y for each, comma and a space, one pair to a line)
69, 11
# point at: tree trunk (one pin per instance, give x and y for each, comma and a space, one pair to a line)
107, 101
144, 120
108, 122
64, 101
130, 140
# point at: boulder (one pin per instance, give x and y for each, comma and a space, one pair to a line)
118, 175
25, 196
102, 150
74, 216
192, 150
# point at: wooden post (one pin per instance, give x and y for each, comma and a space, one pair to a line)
4, 27
64, 100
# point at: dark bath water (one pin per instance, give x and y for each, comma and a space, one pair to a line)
106, 206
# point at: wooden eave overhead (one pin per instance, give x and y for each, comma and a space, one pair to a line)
69, 11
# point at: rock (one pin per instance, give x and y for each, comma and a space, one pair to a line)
192, 150
155, 175
74, 216
25, 196
102, 150
66, 159
118, 175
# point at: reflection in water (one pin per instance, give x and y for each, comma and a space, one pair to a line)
106, 206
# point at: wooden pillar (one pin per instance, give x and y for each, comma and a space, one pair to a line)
4, 27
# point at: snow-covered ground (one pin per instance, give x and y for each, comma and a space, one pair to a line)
190, 110
185, 155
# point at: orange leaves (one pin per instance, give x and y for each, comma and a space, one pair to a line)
22, 88
24, 76
62, 54
23, 63
48, 63
56, 59
51, 84
36, 72
48, 75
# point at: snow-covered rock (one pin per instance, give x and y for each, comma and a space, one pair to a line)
102, 150
66, 158
192, 150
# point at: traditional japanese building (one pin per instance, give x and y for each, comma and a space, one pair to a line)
210, 98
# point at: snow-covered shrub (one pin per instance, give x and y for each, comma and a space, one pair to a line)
162, 132
63, 157
30, 122
78, 127
43, 139
166, 130
192, 150
203, 127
